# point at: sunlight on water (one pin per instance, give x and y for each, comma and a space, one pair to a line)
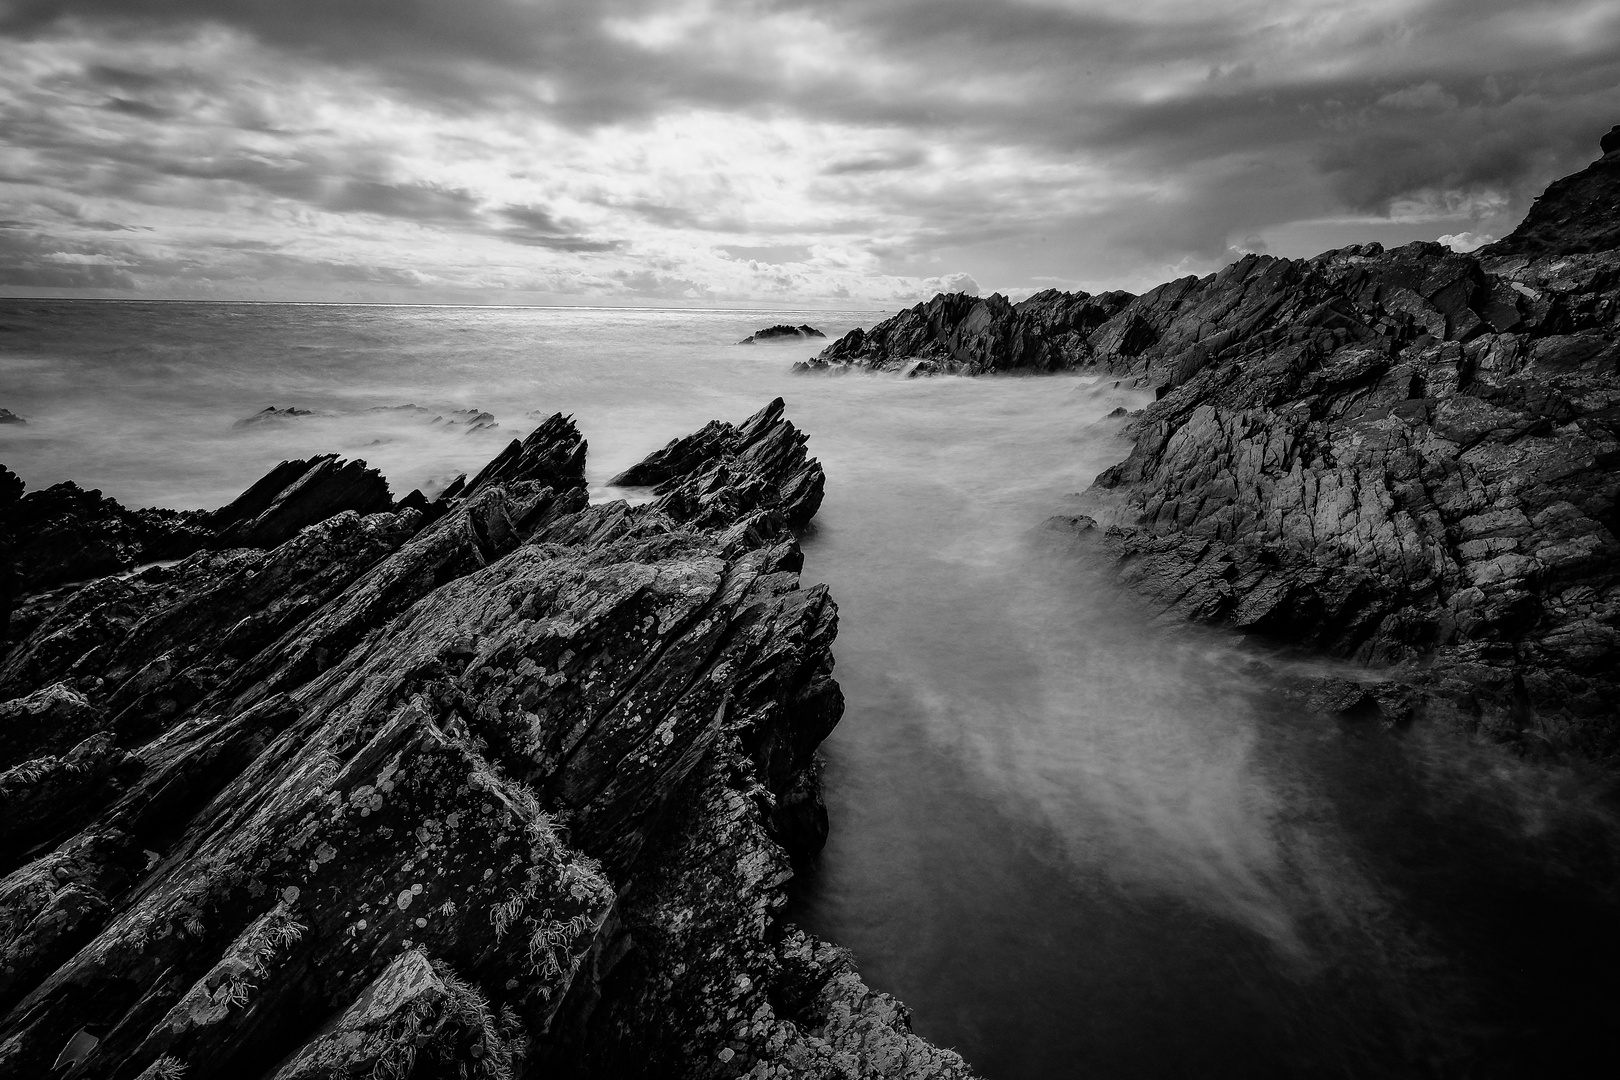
1076, 841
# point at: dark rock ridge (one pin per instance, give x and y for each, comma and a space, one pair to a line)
956, 333
65, 534
295, 494
508, 792
272, 415
695, 475
467, 421
9, 417
1575, 215
782, 332
1404, 457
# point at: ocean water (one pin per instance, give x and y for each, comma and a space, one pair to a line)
1077, 841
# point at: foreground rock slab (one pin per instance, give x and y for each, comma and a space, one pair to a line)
509, 788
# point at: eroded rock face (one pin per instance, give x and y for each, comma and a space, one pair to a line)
441, 797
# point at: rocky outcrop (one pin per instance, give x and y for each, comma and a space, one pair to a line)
295, 494
696, 476
64, 533
957, 333
1402, 457
1575, 215
553, 454
9, 417
509, 791
782, 332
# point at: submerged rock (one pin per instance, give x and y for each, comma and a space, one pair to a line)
441, 797
782, 332
272, 415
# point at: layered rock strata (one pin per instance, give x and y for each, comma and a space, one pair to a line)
507, 792
1404, 457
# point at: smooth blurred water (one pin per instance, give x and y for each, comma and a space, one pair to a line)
1076, 841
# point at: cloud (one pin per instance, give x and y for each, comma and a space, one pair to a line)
786, 151
1465, 241
1426, 95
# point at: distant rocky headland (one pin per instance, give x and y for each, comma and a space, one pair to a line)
1403, 457
498, 783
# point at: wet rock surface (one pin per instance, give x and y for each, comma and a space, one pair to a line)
1402, 457
507, 789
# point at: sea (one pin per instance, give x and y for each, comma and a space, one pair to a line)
1076, 839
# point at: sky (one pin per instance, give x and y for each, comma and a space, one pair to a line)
858, 154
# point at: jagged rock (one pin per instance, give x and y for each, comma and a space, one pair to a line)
394, 792
1402, 457
782, 332
11, 487
681, 456
553, 454
1574, 215
736, 477
470, 419
295, 494
963, 334
64, 533
416, 1009
9, 417
47, 721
